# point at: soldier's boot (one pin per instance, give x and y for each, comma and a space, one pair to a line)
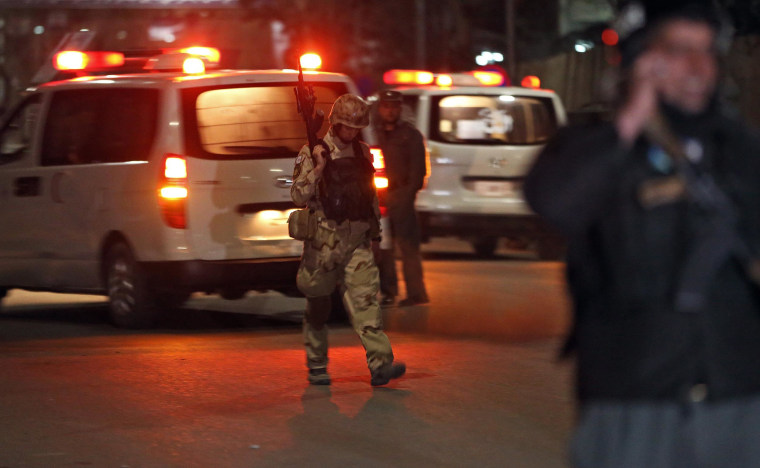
319, 377
383, 374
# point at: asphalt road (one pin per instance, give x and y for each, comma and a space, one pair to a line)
211, 388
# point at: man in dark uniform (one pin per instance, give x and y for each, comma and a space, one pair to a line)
661, 207
404, 152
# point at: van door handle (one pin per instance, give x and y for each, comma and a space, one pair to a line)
283, 182
26, 187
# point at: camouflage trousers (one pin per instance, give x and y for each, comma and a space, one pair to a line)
346, 263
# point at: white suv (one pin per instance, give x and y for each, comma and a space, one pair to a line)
149, 186
481, 142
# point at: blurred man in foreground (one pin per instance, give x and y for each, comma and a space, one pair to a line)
662, 211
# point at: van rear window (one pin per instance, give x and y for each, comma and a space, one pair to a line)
251, 122
492, 119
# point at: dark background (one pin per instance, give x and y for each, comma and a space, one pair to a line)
361, 38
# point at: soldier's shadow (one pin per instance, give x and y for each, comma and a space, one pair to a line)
384, 432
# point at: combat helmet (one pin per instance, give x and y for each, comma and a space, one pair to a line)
350, 110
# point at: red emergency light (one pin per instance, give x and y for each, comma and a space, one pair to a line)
69, 60
193, 66
310, 61
610, 37
444, 80
211, 54
411, 77
531, 81
488, 78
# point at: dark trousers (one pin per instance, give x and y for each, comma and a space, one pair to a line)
668, 435
405, 231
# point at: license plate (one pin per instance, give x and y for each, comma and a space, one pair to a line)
264, 225
491, 188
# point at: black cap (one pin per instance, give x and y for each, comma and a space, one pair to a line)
638, 18
390, 96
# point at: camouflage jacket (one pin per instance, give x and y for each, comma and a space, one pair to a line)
304, 188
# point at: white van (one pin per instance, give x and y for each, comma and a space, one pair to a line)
481, 141
149, 186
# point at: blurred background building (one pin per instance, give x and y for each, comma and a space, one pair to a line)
557, 40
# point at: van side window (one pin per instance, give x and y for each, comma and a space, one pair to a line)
100, 126
18, 134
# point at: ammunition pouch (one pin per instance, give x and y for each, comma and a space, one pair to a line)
302, 224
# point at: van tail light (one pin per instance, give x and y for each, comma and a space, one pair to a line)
172, 191
381, 179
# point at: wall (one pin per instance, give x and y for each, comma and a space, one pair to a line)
579, 79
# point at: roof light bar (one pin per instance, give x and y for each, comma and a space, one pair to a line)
68, 60
444, 80
211, 54
488, 78
418, 77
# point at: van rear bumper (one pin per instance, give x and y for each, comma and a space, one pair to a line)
464, 225
205, 275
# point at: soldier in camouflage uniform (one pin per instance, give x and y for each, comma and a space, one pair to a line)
337, 185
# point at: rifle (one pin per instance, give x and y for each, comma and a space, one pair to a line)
305, 99
717, 238
302, 224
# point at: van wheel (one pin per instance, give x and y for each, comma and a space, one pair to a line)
130, 301
485, 246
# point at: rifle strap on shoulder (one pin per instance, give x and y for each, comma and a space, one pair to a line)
356, 145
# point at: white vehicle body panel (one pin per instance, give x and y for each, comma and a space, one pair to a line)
53, 237
474, 190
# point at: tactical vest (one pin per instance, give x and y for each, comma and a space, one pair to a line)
348, 189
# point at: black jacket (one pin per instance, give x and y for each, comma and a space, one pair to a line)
404, 154
624, 262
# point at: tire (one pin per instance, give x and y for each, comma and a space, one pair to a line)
485, 246
130, 302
